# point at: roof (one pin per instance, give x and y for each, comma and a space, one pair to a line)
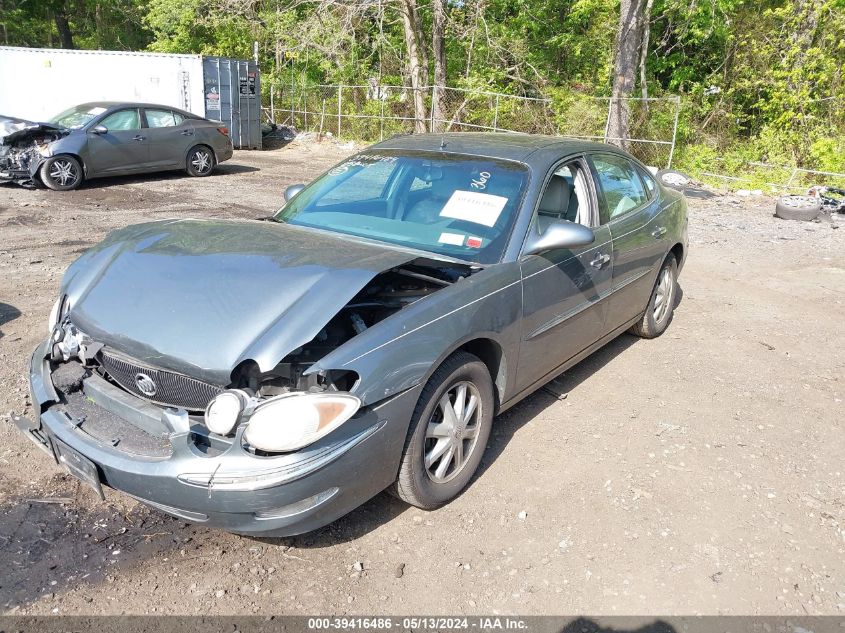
129, 104
508, 146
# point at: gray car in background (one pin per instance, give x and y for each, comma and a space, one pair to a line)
267, 377
107, 138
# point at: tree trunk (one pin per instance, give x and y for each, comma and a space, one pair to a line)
628, 44
62, 26
418, 74
646, 37
438, 46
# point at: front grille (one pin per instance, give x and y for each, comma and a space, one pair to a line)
171, 389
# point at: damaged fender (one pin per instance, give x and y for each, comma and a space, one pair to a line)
405, 349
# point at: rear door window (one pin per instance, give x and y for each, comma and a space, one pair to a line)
621, 187
163, 118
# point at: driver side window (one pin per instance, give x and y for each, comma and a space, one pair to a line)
566, 197
122, 120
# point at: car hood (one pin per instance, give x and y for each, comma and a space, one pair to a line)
13, 129
200, 296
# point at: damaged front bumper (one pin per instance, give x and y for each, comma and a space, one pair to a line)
167, 460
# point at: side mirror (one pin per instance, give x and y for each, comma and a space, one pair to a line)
559, 234
100, 129
291, 191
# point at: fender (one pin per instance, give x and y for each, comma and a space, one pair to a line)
404, 350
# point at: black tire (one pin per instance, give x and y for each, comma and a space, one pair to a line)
417, 484
61, 173
804, 208
673, 179
200, 161
661, 303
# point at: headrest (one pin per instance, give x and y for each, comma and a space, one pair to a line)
555, 200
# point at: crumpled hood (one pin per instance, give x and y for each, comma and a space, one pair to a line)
12, 128
200, 296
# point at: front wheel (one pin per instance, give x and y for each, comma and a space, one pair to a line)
200, 161
448, 433
61, 173
661, 304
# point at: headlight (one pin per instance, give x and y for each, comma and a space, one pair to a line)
223, 411
54, 314
289, 422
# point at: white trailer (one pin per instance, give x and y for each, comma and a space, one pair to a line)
38, 83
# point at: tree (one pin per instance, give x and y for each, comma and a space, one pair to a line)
417, 59
438, 47
633, 18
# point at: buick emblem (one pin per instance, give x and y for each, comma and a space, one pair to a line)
145, 385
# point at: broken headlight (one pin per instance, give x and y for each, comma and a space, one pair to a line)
224, 411
293, 421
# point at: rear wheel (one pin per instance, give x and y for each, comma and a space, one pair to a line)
661, 304
61, 173
448, 433
200, 161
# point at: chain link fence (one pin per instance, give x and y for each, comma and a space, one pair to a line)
374, 112
778, 178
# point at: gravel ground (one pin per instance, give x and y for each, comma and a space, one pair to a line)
698, 473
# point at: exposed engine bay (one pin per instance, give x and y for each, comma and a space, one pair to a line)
386, 294
22, 146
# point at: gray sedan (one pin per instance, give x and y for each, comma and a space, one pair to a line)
109, 139
268, 377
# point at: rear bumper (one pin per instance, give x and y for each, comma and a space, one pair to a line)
224, 153
223, 487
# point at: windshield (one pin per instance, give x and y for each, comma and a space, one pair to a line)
74, 118
453, 205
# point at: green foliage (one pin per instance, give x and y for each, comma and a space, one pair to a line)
98, 24
760, 81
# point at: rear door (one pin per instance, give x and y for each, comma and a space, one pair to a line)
123, 148
170, 136
564, 290
631, 207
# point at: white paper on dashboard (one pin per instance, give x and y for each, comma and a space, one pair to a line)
473, 206
451, 238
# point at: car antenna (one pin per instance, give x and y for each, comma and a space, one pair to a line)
446, 130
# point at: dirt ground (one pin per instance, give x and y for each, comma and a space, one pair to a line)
698, 473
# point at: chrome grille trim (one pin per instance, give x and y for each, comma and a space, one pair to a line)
172, 389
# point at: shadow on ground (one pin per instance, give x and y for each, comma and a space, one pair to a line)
222, 170
7, 313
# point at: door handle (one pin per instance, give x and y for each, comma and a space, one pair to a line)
138, 137
187, 133
600, 260
659, 232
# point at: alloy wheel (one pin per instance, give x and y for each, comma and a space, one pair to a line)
201, 160
452, 432
63, 172
663, 295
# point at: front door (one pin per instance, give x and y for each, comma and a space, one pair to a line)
122, 148
563, 290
